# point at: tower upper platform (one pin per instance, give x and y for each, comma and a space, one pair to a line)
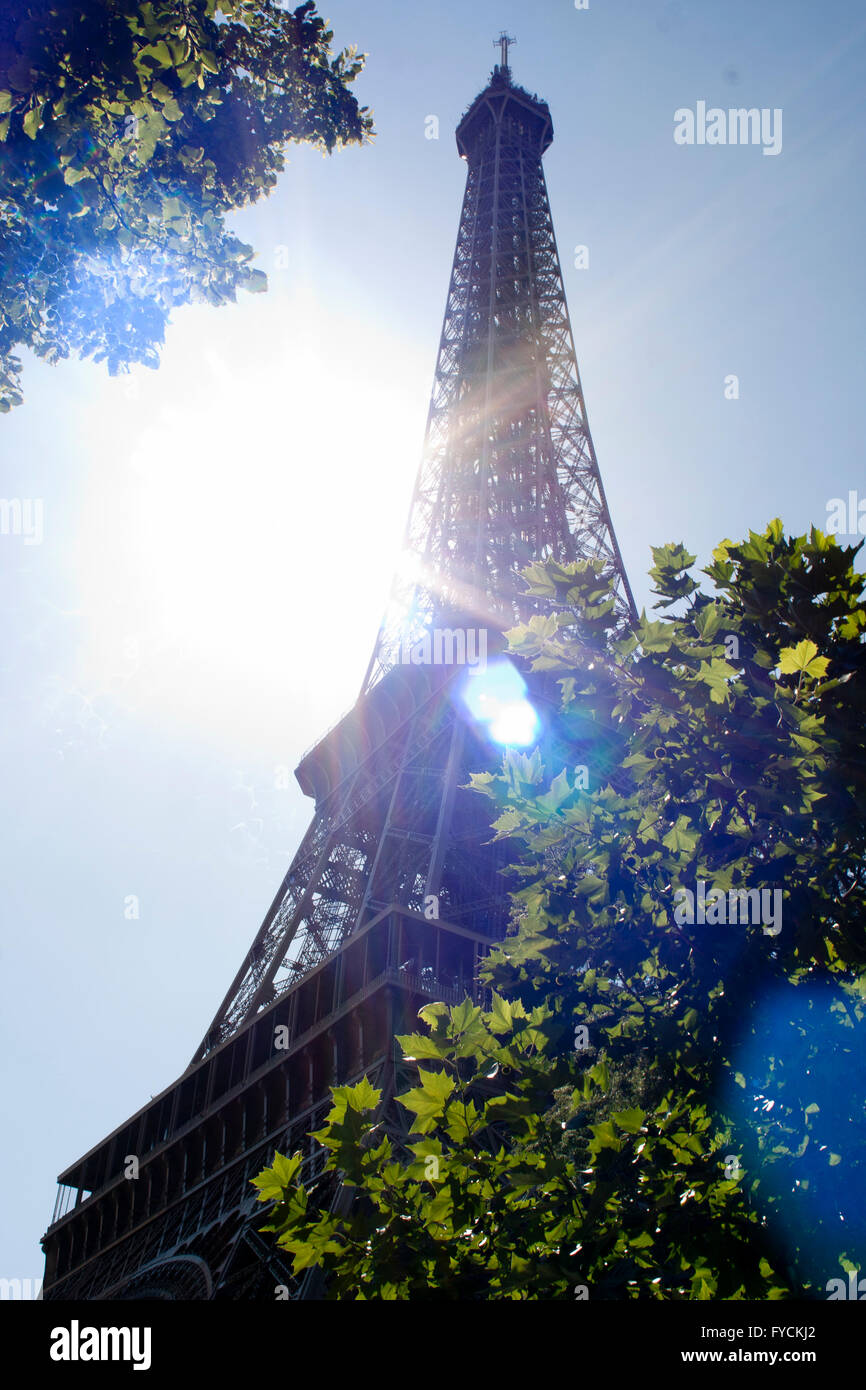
506, 108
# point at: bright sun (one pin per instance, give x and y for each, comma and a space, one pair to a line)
236, 547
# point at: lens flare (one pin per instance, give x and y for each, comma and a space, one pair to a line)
799, 1122
496, 697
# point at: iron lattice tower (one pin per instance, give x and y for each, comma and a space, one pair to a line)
509, 473
396, 892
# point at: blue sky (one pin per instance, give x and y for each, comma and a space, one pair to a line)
219, 535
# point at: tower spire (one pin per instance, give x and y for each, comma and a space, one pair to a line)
503, 42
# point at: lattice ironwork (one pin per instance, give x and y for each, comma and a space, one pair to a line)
509, 473
508, 476
348, 951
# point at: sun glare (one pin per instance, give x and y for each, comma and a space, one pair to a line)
236, 539
497, 697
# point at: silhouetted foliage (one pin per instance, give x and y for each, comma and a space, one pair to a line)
129, 129
705, 1137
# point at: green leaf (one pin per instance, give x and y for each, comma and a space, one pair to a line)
708, 620
32, 119
599, 1074
363, 1096
437, 1210
655, 637
434, 1014
802, 658
507, 823
272, 1181
559, 792
589, 886
420, 1045
500, 1014
681, 837
648, 826
463, 1121
437, 1084
428, 1100
641, 1242
629, 1120
160, 53
605, 1137
716, 674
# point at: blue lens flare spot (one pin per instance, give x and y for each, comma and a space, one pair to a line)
798, 1115
496, 696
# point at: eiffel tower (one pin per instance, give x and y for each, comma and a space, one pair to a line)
396, 892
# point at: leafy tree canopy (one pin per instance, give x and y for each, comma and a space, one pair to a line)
641, 1106
129, 128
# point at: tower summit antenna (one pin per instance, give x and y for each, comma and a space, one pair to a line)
504, 40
